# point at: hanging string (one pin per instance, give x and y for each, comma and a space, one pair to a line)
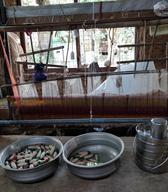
72, 52
119, 78
137, 38
66, 61
144, 40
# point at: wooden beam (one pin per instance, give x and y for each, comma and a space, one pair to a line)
41, 51
80, 9
30, 63
107, 23
87, 74
141, 44
87, 18
143, 60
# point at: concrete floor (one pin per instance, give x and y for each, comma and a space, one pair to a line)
128, 178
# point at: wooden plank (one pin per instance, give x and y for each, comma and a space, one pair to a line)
112, 16
141, 44
30, 63
82, 18
41, 51
79, 8
107, 23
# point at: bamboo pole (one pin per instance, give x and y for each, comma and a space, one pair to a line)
140, 44
106, 23
41, 51
29, 63
31, 41
49, 46
143, 60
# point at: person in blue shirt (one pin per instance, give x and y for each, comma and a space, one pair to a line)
39, 74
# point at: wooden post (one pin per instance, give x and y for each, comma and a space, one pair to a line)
78, 51
4, 35
22, 37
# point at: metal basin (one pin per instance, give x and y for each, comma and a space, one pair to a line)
34, 174
151, 153
109, 147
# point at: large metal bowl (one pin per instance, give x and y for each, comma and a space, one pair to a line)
107, 145
34, 174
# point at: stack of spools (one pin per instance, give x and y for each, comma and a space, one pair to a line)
151, 146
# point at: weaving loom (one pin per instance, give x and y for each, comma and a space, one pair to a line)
141, 96
133, 90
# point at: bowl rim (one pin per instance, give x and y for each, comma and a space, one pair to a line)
27, 138
96, 166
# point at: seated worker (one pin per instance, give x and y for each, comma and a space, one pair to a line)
94, 67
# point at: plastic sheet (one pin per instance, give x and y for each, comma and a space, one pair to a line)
131, 84
164, 81
28, 91
50, 89
73, 87
161, 8
93, 83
